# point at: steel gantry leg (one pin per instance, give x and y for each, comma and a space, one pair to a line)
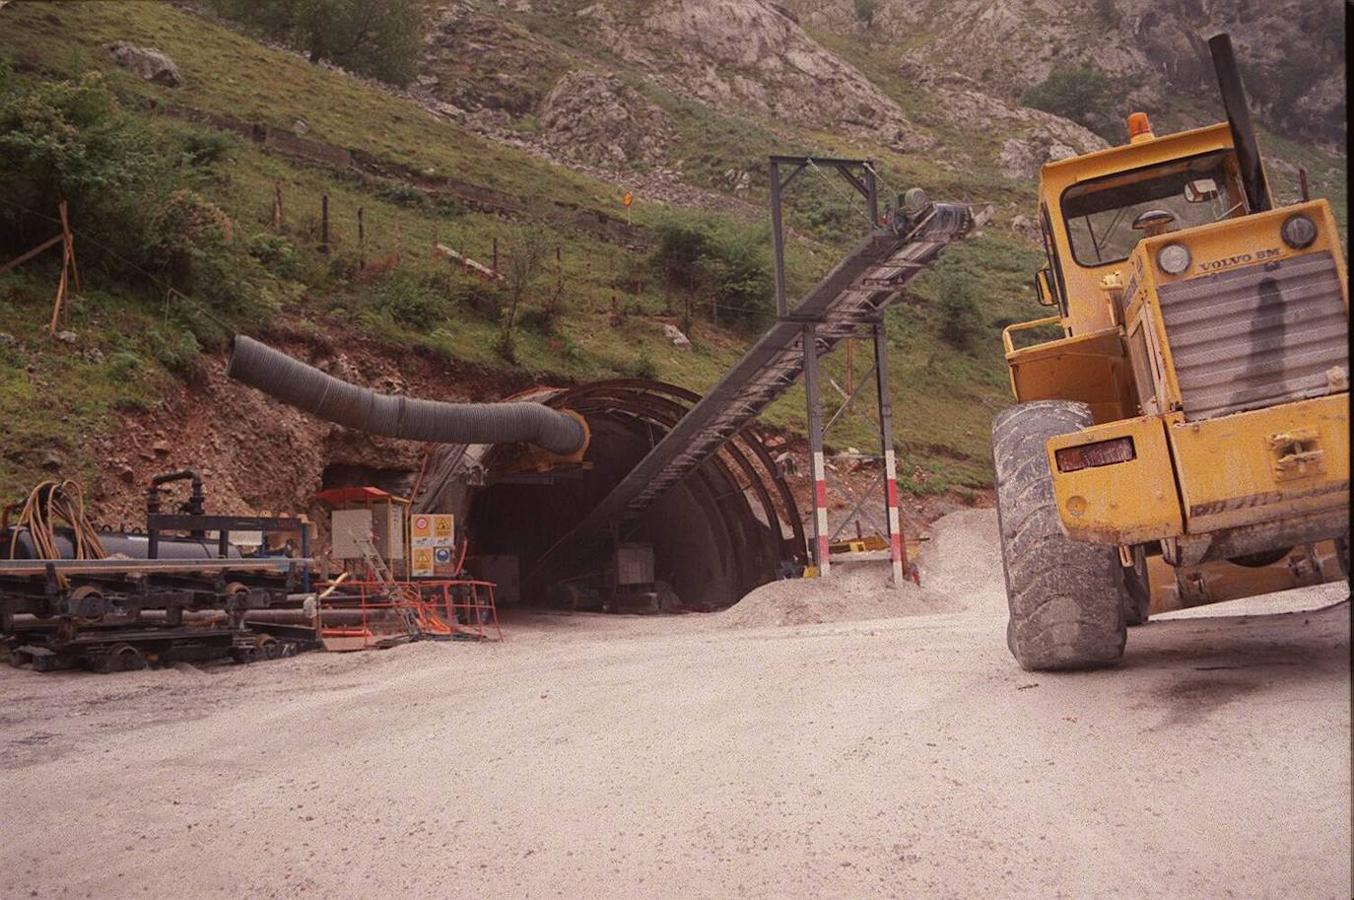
897, 547
815, 420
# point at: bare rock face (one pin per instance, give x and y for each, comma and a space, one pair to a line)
598, 120
1033, 137
480, 63
148, 63
744, 55
1291, 51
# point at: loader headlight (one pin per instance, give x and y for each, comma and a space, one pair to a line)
1298, 231
1173, 258
1101, 453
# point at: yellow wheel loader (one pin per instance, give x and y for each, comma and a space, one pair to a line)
1186, 439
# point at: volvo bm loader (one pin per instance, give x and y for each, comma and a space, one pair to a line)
1186, 439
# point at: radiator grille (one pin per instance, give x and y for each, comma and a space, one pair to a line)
1256, 336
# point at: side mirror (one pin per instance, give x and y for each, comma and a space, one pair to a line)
1201, 190
1043, 288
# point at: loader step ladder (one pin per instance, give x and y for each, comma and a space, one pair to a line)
404, 600
852, 295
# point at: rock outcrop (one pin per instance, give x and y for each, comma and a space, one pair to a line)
147, 62
1291, 51
598, 120
742, 55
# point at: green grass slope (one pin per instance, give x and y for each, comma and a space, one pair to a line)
135, 340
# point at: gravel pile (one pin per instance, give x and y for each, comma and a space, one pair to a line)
960, 568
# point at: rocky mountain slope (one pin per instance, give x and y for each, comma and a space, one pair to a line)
544, 112
1292, 52
939, 78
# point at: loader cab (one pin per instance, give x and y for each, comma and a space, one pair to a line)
1094, 210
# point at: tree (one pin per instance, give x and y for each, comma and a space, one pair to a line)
731, 265
865, 11
682, 246
379, 38
526, 249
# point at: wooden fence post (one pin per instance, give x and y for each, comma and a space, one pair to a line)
361, 239
324, 223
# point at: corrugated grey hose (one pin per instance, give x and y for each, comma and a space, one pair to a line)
326, 397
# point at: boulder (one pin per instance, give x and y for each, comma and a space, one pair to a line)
149, 63
679, 340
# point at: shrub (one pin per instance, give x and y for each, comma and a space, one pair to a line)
505, 345
484, 298
681, 248
409, 301
960, 322
275, 253
865, 10
643, 366
742, 283
186, 232
69, 140
1083, 94
402, 194
123, 365
207, 148
178, 351
538, 319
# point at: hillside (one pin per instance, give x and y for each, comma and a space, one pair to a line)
526, 124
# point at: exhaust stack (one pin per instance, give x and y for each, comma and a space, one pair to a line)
1239, 118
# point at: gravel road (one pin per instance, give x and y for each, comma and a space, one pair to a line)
657, 757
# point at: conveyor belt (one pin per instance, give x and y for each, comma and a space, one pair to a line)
854, 293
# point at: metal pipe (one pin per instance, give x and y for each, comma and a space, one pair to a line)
778, 242
326, 397
1239, 119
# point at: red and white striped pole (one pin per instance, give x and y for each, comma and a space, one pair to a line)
821, 536
820, 532
897, 550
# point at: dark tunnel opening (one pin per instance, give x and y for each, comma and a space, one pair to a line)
729, 527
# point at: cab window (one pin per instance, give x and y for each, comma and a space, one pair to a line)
1107, 216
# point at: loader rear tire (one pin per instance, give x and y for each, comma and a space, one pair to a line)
1067, 598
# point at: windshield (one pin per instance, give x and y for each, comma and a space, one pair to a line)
1101, 214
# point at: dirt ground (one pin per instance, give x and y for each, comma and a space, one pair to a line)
708, 756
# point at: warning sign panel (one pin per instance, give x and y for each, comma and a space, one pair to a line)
442, 561
443, 530
432, 530
422, 563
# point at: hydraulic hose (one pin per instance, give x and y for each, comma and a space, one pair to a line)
329, 398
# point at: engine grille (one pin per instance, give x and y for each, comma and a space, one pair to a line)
1256, 336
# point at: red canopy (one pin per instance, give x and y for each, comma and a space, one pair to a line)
340, 495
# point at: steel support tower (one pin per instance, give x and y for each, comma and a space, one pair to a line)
852, 296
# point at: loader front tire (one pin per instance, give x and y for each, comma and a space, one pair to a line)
1067, 598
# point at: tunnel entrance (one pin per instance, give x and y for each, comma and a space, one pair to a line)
729, 527
397, 481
